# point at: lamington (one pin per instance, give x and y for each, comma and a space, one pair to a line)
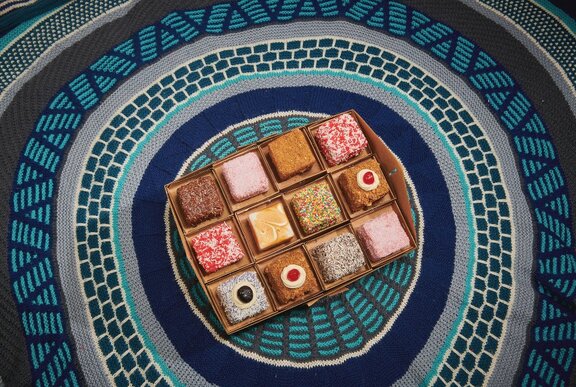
217, 247
242, 297
383, 235
340, 139
245, 177
339, 257
200, 200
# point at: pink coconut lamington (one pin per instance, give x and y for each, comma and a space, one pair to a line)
217, 247
383, 235
340, 139
245, 176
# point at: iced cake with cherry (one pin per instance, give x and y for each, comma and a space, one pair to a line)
290, 277
363, 184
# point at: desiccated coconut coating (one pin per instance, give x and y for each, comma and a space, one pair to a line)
356, 196
283, 293
315, 207
291, 154
235, 313
383, 235
199, 200
339, 257
245, 176
340, 139
216, 247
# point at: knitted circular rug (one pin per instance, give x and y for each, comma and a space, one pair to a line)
103, 103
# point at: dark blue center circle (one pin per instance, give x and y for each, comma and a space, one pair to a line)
388, 359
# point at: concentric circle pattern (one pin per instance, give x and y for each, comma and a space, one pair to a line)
99, 274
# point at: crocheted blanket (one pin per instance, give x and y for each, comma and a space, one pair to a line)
105, 102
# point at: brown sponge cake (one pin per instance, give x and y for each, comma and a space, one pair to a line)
290, 277
363, 184
291, 154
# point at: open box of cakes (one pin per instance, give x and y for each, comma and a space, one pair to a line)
292, 218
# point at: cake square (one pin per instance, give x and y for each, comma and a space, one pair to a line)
340, 139
200, 200
242, 297
363, 184
291, 154
245, 176
290, 277
315, 207
217, 247
339, 257
270, 226
383, 235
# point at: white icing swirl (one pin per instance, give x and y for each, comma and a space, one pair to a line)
237, 301
293, 284
364, 186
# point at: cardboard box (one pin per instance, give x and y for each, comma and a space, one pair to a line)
235, 214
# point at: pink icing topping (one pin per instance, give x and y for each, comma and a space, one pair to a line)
383, 235
245, 176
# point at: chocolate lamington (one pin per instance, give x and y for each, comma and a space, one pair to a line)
291, 154
200, 200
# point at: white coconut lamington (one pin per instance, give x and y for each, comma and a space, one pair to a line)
339, 257
242, 296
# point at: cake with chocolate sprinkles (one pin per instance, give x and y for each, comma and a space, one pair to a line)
200, 200
339, 257
242, 297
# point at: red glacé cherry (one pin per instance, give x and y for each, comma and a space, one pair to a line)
293, 275
368, 178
